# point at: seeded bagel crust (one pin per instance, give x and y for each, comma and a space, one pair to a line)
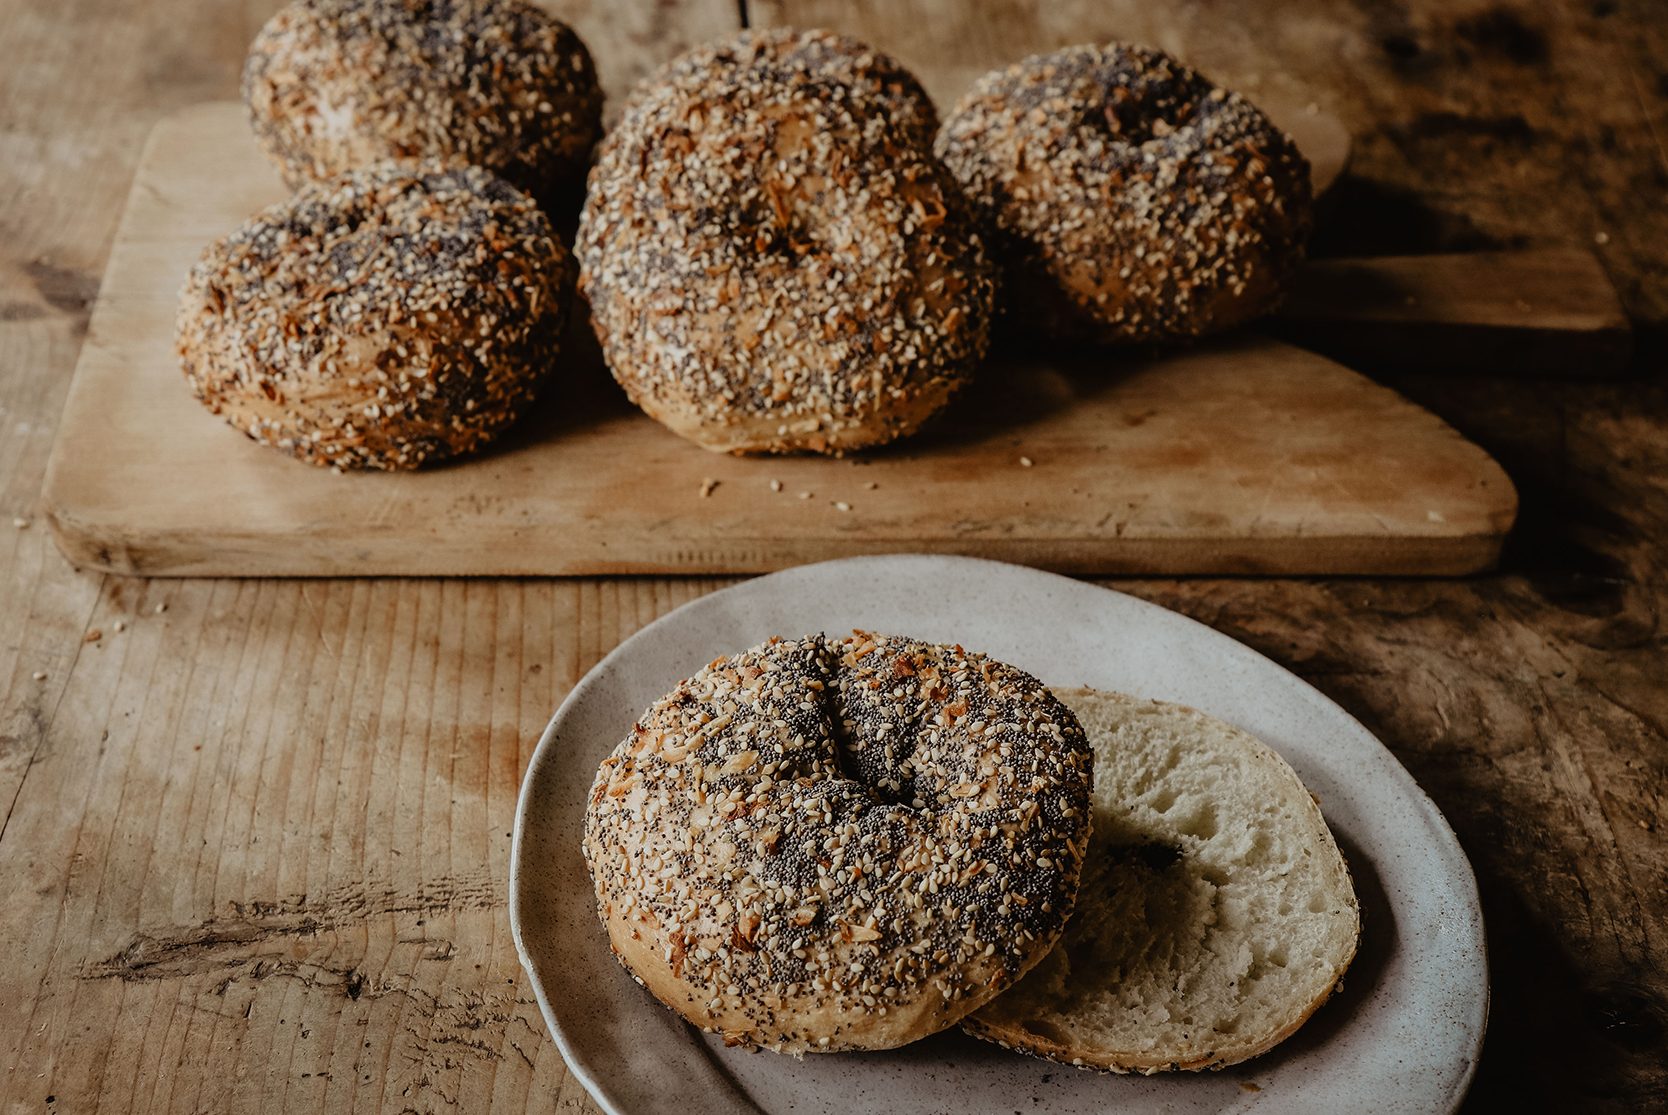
333, 85
828, 844
832, 65
393, 316
1129, 199
771, 269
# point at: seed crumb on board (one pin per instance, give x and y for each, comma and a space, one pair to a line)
1601, 238
39, 675
20, 523
707, 487
92, 636
160, 608
872, 485
841, 505
120, 626
775, 485
1026, 462
806, 495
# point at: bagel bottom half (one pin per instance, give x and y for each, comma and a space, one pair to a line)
1215, 912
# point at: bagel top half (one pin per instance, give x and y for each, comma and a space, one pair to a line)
822, 844
1130, 199
774, 269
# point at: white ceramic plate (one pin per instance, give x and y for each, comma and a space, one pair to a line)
1403, 1035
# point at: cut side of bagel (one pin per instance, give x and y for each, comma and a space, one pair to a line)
1215, 912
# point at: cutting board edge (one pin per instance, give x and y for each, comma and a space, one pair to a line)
90, 545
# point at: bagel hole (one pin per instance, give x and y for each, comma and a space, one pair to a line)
1132, 119
787, 242
771, 235
769, 221
874, 780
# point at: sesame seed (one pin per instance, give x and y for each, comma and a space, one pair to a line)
492, 83
1133, 198
297, 327
725, 237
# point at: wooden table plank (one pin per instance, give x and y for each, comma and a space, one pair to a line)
339, 721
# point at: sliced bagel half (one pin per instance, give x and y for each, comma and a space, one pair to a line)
1215, 913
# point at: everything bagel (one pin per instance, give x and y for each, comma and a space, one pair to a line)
1130, 199
826, 844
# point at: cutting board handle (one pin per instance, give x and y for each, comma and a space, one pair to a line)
1536, 312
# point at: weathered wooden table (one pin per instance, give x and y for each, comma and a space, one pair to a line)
255, 834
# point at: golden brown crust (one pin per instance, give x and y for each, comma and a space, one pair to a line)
336, 84
840, 844
391, 317
1021, 1040
1129, 198
773, 270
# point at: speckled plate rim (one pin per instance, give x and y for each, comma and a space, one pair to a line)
1443, 843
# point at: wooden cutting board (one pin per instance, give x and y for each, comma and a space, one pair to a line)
1247, 456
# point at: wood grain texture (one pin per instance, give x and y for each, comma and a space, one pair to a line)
1242, 457
289, 882
276, 877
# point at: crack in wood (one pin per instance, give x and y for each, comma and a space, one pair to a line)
260, 932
